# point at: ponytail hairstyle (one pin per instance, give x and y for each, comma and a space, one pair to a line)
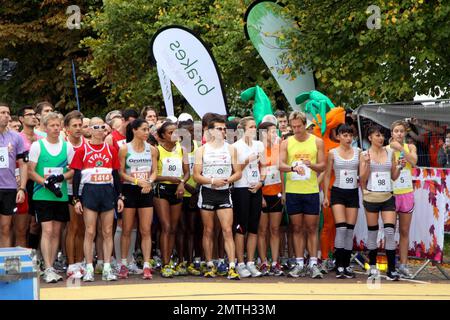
134, 125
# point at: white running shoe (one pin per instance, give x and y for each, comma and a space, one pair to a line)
88, 276
297, 271
404, 272
134, 269
253, 270
243, 271
108, 275
49, 276
315, 272
373, 273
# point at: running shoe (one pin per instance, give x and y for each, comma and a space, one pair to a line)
71, 269
133, 268
99, 268
297, 271
349, 273
291, 263
49, 276
203, 267
211, 272
108, 275
340, 273
315, 272
147, 274
196, 263
253, 270
404, 272
123, 273
373, 272
232, 274
329, 264
222, 269
156, 263
277, 270
89, 275
139, 257
243, 271
264, 269
193, 271
322, 268
59, 267
167, 272
181, 269
392, 276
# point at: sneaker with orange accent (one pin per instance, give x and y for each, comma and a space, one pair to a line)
123, 273
147, 274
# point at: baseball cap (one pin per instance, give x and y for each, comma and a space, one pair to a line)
172, 119
185, 117
270, 118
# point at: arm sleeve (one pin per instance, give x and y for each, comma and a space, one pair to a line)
116, 179
76, 182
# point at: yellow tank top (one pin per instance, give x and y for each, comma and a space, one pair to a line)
306, 183
170, 163
191, 181
403, 184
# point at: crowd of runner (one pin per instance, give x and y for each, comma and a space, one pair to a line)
137, 194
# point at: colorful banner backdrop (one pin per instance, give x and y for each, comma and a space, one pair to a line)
265, 26
166, 88
191, 67
430, 219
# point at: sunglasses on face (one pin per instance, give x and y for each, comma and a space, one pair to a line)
97, 127
220, 129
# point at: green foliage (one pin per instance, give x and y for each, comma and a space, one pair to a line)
120, 49
35, 34
354, 64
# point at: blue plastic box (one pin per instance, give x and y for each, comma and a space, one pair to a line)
18, 275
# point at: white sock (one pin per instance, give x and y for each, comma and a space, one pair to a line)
221, 260
107, 266
210, 264
90, 266
312, 261
100, 262
146, 265
241, 264
124, 261
250, 263
232, 265
274, 263
117, 236
300, 262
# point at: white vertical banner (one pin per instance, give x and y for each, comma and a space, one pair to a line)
188, 63
166, 88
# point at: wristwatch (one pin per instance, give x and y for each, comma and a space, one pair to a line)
292, 168
121, 197
181, 180
22, 189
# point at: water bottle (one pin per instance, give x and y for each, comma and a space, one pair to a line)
400, 158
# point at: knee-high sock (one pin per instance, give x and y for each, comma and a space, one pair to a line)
389, 233
339, 243
372, 244
348, 244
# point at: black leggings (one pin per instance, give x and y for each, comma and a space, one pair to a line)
247, 208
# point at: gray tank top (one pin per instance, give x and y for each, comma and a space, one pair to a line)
380, 175
346, 171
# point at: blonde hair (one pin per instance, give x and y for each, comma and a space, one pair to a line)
243, 122
399, 123
50, 116
297, 115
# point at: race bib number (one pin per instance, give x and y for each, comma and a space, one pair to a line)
4, 158
172, 167
252, 174
141, 173
272, 176
381, 182
101, 176
191, 158
404, 181
305, 173
121, 142
348, 179
217, 171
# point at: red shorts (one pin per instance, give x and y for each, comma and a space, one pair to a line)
404, 203
22, 208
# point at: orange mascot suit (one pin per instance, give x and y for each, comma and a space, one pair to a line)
334, 118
